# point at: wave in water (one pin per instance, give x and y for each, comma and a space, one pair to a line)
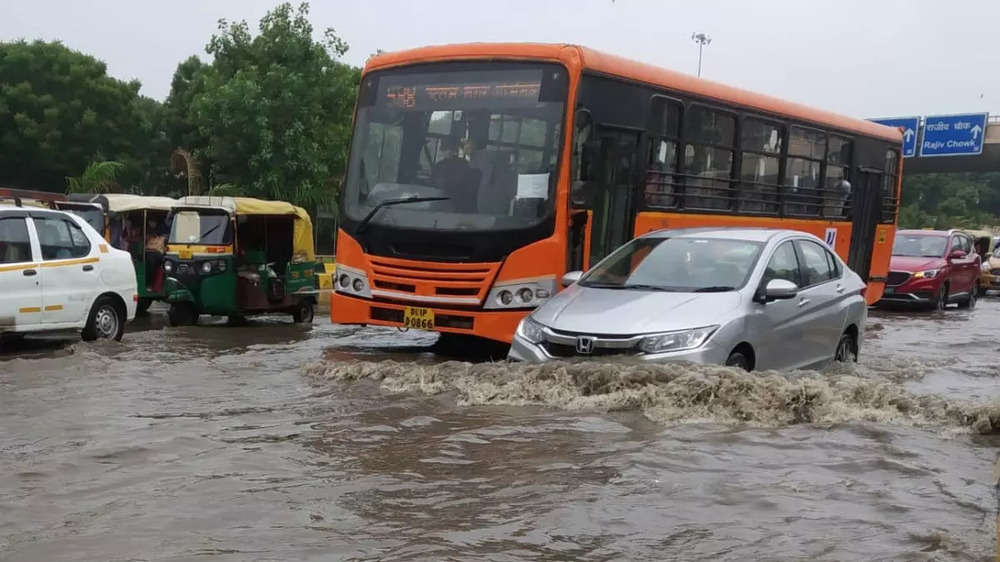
676, 392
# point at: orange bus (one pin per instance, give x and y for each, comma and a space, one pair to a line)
480, 173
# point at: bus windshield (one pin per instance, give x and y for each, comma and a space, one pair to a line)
480, 139
194, 227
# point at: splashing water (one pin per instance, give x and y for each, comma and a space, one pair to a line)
676, 392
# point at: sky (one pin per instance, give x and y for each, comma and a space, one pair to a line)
864, 58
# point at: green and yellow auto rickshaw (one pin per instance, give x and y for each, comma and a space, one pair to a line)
136, 224
239, 257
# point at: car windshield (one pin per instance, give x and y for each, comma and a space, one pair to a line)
677, 264
194, 227
919, 245
94, 216
481, 138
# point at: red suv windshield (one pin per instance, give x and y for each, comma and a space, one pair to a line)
920, 245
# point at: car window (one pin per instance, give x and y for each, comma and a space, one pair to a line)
783, 265
15, 246
60, 238
968, 245
815, 265
834, 264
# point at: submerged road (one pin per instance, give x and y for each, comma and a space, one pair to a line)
279, 442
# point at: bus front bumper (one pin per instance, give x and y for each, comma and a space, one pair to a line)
491, 324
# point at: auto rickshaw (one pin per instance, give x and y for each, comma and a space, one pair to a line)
985, 243
136, 224
238, 257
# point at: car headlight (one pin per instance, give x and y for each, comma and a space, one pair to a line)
676, 341
521, 293
168, 266
530, 330
352, 281
929, 274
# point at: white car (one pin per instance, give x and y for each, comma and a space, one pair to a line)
57, 273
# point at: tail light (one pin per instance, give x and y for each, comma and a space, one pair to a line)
864, 292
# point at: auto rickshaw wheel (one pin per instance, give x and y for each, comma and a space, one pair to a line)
303, 313
143, 306
182, 314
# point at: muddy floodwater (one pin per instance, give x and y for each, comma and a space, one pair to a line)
277, 442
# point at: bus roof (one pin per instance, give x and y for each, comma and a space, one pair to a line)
577, 57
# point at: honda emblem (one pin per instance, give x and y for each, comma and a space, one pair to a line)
584, 345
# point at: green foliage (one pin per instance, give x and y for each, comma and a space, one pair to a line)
98, 177
272, 111
59, 111
226, 190
967, 200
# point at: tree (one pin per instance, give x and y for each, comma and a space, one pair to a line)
60, 111
99, 177
274, 110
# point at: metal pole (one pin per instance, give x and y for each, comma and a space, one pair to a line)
701, 39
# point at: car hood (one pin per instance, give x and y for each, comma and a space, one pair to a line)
907, 263
631, 311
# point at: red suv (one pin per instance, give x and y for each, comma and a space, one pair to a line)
932, 267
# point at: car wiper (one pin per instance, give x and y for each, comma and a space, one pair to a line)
600, 285
649, 287
715, 289
390, 202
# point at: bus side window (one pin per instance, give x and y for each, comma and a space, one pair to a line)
660, 187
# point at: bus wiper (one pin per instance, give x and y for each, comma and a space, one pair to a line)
390, 202
715, 289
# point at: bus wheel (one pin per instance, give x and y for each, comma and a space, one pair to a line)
182, 314
303, 313
143, 306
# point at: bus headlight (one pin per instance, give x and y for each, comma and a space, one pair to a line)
206, 267
168, 266
521, 293
352, 281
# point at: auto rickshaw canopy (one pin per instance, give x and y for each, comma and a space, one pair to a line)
302, 231
124, 202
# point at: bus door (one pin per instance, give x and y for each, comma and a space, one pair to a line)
611, 196
865, 209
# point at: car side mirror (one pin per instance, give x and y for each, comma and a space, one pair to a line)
957, 255
571, 277
779, 289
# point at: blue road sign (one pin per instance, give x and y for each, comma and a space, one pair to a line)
910, 127
953, 135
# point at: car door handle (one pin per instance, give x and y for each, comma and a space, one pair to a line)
30, 272
88, 268
803, 302
840, 288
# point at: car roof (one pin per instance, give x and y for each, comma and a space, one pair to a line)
926, 232
737, 233
31, 209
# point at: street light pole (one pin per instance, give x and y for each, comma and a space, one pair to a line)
701, 39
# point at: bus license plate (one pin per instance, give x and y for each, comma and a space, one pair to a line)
419, 318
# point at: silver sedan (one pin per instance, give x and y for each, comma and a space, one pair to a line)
751, 298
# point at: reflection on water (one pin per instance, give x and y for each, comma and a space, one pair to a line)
272, 441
